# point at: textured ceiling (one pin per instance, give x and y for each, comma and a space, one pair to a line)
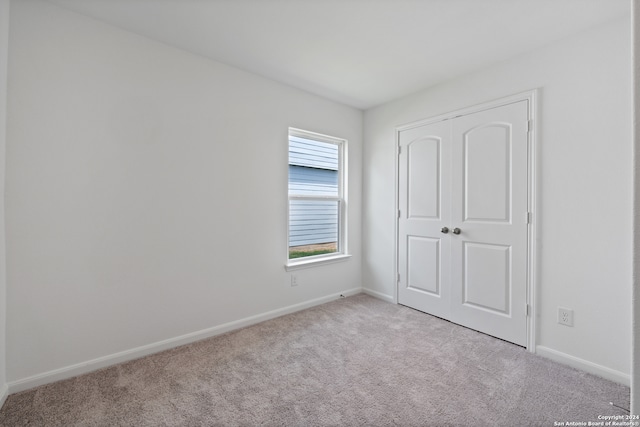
358, 52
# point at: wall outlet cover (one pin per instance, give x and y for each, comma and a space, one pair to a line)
565, 316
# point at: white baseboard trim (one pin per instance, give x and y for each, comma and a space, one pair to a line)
379, 295
4, 393
138, 352
584, 365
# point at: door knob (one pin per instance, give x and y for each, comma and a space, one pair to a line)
445, 230
456, 230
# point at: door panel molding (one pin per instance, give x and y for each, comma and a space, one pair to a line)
427, 278
473, 270
430, 207
475, 174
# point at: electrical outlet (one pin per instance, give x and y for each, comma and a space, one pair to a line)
565, 316
294, 280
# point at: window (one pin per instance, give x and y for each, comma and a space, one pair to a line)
317, 204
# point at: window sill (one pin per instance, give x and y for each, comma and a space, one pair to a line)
307, 263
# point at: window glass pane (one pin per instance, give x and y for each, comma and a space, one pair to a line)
312, 153
314, 175
313, 227
304, 181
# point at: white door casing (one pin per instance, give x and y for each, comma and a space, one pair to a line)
468, 173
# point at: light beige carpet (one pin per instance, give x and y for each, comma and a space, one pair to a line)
357, 361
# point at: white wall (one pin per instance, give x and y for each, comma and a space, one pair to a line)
585, 176
635, 362
147, 193
4, 43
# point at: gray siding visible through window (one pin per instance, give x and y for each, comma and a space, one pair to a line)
313, 171
313, 154
313, 221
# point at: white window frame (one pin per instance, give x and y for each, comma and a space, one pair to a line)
342, 252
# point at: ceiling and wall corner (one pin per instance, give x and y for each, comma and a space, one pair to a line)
359, 52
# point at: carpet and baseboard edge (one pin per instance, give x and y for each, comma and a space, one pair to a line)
4, 393
379, 295
556, 356
584, 365
138, 352
135, 353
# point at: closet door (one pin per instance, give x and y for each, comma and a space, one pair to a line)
462, 227
424, 217
489, 210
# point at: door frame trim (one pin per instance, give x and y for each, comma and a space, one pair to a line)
531, 97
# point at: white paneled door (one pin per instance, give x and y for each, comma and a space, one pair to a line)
462, 227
